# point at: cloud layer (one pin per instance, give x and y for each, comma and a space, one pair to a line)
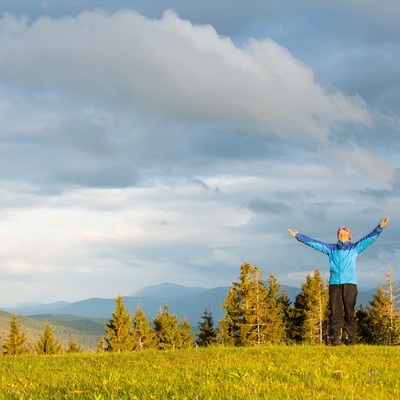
138, 149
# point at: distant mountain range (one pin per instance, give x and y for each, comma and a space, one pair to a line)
85, 320
183, 301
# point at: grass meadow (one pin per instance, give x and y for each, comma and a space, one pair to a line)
267, 372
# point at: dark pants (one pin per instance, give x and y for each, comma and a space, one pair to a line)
342, 297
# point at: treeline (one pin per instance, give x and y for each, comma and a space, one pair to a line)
256, 313
18, 343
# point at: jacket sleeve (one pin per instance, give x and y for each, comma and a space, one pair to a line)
315, 244
363, 243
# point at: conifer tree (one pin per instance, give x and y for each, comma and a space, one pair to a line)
363, 325
255, 329
286, 307
229, 326
392, 290
245, 320
73, 347
384, 312
379, 317
166, 329
207, 334
47, 344
142, 334
185, 336
119, 329
275, 324
311, 310
297, 318
16, 343
235, 305
248, 320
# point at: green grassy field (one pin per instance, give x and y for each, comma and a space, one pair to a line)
268, 372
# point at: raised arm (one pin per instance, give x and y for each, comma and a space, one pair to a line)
315, 244
363, 243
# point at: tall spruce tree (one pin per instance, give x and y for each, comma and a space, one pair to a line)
233, 326
119, 329
207, 333
297, 318
310, 313
47, 344
229, 326
363, 325
142, 334
275, 313
16, 343
384, 312
255, 311
246, 316
379, 317
392, 290
286, 306
166, 329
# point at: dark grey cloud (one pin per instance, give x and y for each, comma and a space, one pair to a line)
268, 206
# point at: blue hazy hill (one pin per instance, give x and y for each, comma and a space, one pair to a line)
183, 301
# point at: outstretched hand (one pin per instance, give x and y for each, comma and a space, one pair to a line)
293, 232
384, 222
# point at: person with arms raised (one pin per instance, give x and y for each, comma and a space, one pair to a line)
342, 281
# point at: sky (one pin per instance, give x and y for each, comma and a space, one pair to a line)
172, 141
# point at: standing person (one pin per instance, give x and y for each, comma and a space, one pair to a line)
342, 281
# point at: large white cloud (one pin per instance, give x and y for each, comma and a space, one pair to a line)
172, 67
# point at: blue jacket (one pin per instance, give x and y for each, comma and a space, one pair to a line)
342, 256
